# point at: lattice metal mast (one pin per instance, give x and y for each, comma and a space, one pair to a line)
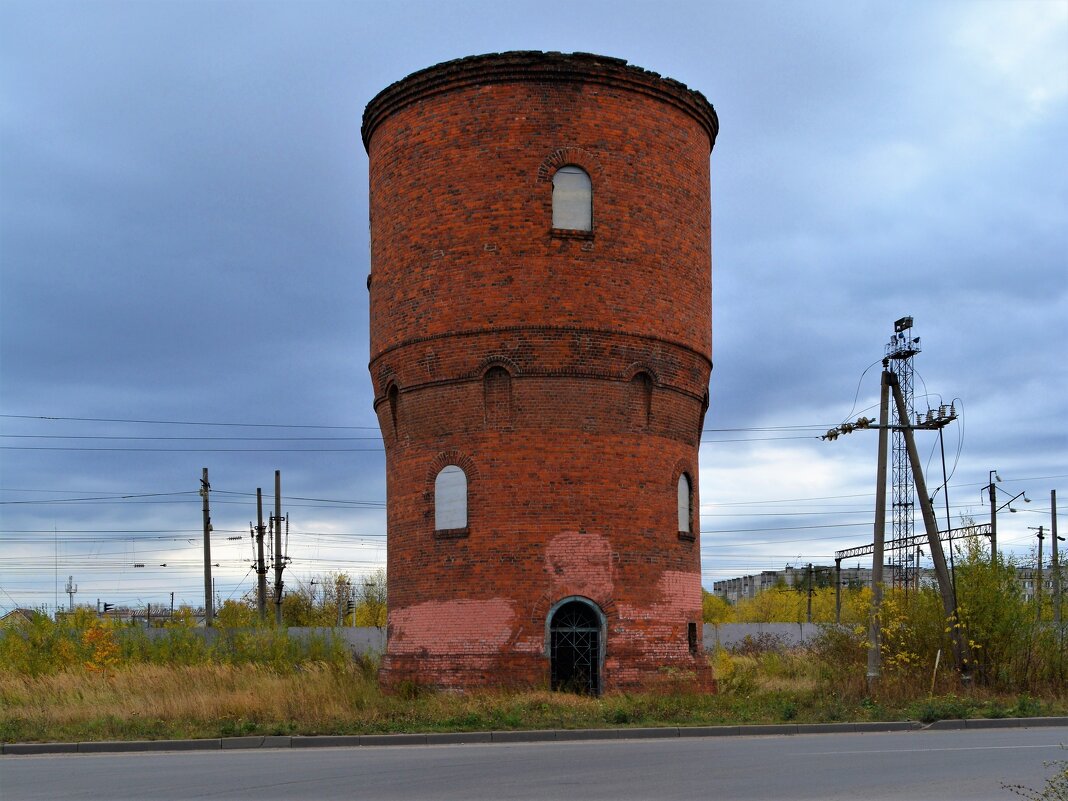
900, 350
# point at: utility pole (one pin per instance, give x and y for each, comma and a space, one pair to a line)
837, 590
71, 589
961, 652
993, 518
1038, 573
908, 479
1056, 564
875, 621
261, 567
279, 559
809, 616
205, 488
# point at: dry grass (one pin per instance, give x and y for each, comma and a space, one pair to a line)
147, 701
197, 700
81, 680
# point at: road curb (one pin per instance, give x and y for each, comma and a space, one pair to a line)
532, 736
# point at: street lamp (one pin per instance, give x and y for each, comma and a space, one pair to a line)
992, 488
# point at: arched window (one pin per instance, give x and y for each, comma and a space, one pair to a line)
685, 505
450, 499
497, 397
572, 199
641, 393
393, 394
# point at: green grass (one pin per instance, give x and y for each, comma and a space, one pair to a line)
81, 681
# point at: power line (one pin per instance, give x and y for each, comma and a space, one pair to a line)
186, 450
143, 438
183, 422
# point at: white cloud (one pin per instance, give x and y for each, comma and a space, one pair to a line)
1020, 51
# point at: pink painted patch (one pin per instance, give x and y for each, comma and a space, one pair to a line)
452, 627
678, 598
579, 564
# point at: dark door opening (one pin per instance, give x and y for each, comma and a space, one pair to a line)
575, 648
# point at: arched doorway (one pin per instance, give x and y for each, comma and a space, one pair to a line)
575, 644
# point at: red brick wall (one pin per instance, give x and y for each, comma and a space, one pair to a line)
572, 457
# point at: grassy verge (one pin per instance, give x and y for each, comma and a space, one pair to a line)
83, 679
148, 701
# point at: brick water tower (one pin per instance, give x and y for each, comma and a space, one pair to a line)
541, 345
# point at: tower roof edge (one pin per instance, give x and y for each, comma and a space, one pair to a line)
535, 66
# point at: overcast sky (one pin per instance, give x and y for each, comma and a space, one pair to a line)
183, 240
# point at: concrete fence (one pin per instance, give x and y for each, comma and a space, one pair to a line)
373, 640
729, 635
360, 640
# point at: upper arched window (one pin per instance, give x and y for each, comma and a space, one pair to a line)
685, 505
572, 199
497, 397
393, 396
641, 397
450, 499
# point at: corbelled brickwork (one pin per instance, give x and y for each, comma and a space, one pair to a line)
565, 372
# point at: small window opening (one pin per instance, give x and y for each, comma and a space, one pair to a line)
572, 199
393, 396
691, 637
685, 505
450, 499
497, 398
642, 398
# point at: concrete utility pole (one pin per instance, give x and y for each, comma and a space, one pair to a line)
209, 609
837, 590
279, 559
809, 616
875, 621
994, 509
1056, 563
261, 567
1038, 573
993, 518
961, 652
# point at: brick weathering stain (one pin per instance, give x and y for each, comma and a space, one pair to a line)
540, 298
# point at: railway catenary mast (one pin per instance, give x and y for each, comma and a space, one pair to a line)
900, 351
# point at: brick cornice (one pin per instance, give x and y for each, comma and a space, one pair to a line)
573, 329
533, 67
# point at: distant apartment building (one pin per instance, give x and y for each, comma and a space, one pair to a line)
735, 589
1028, 579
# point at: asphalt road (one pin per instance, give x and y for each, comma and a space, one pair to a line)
916, 765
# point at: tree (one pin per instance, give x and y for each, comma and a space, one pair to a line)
779, 604
371, 600
235, 614
715, 609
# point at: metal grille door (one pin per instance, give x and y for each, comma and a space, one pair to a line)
575, 642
